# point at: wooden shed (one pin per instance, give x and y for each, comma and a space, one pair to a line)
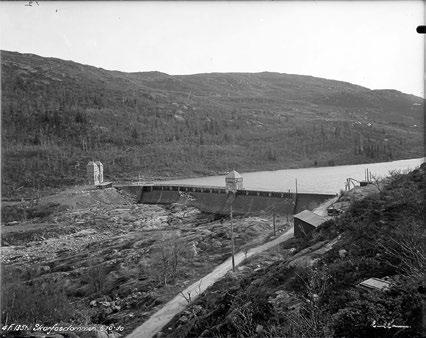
305, 222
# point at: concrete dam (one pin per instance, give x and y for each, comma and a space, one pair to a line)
218, 200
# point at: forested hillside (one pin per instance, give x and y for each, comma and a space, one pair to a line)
57, 115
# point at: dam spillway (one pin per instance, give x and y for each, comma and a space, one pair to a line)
215, 199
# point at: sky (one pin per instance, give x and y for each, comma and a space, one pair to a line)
369, 43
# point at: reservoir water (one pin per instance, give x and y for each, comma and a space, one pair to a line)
317, 180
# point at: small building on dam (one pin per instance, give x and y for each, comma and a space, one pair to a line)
234, 181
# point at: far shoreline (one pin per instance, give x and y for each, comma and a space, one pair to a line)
175, 178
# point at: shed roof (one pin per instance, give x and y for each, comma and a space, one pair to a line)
375, 284
233, 174
310, 217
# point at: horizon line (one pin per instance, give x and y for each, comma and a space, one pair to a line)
204, 73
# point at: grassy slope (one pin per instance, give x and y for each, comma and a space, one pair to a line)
383, 235
57, 115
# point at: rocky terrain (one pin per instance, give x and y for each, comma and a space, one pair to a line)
101, 259
94, 258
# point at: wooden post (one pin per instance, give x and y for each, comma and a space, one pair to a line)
273, 222
295, 200
288, 210
232, 240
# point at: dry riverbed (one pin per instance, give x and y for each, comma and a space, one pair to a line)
88, 256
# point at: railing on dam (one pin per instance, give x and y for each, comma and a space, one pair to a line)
215, 190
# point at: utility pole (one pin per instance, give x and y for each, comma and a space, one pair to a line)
232, 240
273, 222
295, 200
289, 196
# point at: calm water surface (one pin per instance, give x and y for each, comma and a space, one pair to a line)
318, 180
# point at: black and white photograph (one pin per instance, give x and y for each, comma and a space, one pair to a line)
212, 169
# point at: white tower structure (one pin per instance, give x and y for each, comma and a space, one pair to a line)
92, 173
234, 181
101, 171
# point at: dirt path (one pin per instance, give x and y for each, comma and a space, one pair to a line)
322, 209
156, 322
